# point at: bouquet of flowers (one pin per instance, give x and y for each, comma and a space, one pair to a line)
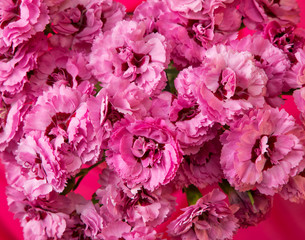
168, 98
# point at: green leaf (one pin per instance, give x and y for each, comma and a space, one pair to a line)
251, 197
192, 194
171, 73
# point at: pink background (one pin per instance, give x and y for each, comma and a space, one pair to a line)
286, 221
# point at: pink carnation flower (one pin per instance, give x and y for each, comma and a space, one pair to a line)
258, 13
40, 219
192, 27
77, 22
203, 168
231, 84
144, 152
295, 77
127, 52
271, 59
294, 190
15, 64
41, 167
209, 218
12, 111
289, 39
61, 114
262, 150
136, 207
193, 126
128, 98
58, 67
21, 19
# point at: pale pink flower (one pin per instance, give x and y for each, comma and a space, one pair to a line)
61, 114
40, 165
294, 190
271, 59
262, 150
58, 67
231, 84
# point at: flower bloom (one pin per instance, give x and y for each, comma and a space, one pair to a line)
41, 166
21, 19
128, 52
144, 152
229, 88
16, 63
61, 114
209, 218
12, 111
262, 150
271, 59
203, 168
258, 13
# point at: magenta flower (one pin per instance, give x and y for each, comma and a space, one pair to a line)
144, 152
209, 218
262, 150
136, 207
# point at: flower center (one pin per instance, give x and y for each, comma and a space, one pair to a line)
9, 13
147, 151
227, 87
60, 122
60, 75
264, 146
188, 113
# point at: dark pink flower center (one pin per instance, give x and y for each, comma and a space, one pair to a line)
60, 75
227, 87
188, 113
200, 31
147, 151
131, 60
60, 120
10, 14
257, 151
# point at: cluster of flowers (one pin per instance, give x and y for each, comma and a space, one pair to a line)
167, 98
